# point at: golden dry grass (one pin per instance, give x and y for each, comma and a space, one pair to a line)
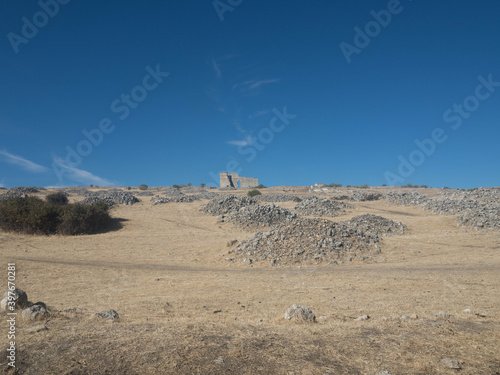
205, 315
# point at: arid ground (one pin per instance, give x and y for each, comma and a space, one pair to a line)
184, 309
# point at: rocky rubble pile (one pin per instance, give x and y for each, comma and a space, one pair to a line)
479, 208
308, 241
409, 198
182, 198
111, 197
227, 204
377, 225
320, 206
257, 216
488, 195
363, 196
485, 216
19, 192
277, 198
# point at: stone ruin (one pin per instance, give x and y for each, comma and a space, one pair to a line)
232, 180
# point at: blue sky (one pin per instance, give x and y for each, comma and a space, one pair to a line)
291, 92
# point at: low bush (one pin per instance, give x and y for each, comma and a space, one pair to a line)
29, 215
58, 198
84, 218
260, 186
143, 187
253, 193
32, 215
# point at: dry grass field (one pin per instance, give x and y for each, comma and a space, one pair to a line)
185, 310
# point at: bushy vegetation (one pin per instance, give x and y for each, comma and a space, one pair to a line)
260, 186
202, 185
335, 185
143, 187
83, 218
58, 198
33, 215
178, 186
253, 193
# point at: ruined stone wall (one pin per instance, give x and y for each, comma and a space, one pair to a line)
248, 182
230, 180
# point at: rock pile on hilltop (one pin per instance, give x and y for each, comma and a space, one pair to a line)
19, 192
320, 206
363, 196
257, 216
111, 197
227, 204
408, 198
479, 208
276, 198
377, 225
306, 241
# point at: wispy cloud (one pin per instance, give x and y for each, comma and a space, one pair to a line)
22, 162
216, 68
259, 113
254, 84
246, 141
80, 175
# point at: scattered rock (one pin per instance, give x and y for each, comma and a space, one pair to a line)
451, 363
467, 311
107, 314
18, 296
35, 311
219, 360
300, 313
362, 318
445, 315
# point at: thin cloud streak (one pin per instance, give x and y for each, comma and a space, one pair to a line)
217, 70
22, 162
80, 175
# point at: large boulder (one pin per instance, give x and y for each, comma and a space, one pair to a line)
35, 311
18, 296
300, 313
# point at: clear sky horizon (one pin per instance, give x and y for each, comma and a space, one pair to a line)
124, 93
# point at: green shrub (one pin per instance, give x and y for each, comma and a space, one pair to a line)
189, 183
84, 219
29, 215
253, 193
129, 188
202, 185
143, 187
58, 198
32, 215
335, 185
260, 186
